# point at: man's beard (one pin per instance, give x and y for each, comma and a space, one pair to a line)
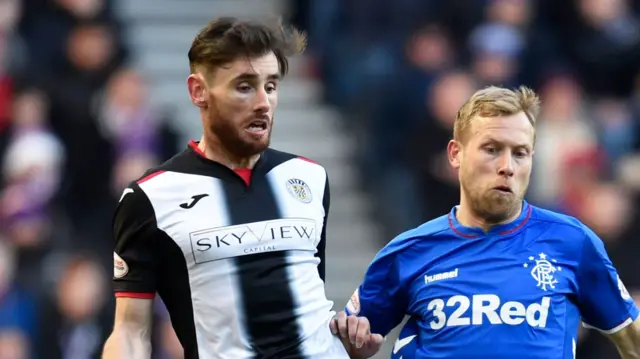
492, 207
231, 138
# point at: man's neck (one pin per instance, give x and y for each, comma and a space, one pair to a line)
467, 218
217, 153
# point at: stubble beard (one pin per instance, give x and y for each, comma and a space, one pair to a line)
492, 207
233, 139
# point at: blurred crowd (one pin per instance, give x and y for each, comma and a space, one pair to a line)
400, 69
75, 126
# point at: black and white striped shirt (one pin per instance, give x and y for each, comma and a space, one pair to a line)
236, 256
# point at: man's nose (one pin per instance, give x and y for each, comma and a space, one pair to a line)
262, 103
506, 165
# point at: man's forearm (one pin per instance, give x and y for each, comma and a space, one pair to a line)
627, 341
128, 344
630, 351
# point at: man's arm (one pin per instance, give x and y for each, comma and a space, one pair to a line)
381, 297
135, 260
131, 335
627, 340
604, 302
377, 306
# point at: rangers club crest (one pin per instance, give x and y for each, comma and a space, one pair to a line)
543, 271
299, 190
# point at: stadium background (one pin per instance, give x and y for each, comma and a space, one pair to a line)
92, 92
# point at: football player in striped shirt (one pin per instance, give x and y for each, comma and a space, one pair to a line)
229, 233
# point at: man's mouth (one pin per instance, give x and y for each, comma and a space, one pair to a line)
503, 189
257, 126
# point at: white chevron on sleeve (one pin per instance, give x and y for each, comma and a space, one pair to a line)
400, 343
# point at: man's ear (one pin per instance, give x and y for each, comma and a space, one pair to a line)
454, 151
198, 90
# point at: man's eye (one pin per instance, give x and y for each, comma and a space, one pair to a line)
244, 88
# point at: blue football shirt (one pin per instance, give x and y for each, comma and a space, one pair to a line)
406, 345
518, 291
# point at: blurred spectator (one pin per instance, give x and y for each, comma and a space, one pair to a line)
18, 322
33, 159
617, 126
580, 175
12, 60
562, 129
12, 51
75, 94
132, 126
13, 345
429, 52
607, 211
614, 30
438, 182
76, 321
48, 30
32, 170
497, 44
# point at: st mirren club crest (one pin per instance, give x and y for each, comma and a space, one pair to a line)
299, 190
543, 271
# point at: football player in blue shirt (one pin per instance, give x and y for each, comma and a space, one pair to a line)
496, 277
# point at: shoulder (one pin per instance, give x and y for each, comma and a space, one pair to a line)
428, 234
177, 161
176, 174
557, 221
291, 162
567, 229
297, 174
133, 206
136, 197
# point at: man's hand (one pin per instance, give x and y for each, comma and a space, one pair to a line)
356, 335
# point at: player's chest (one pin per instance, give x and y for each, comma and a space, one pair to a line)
224, 222
501, 288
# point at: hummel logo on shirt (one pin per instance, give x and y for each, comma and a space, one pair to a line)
440, 276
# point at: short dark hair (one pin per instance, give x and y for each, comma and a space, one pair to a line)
225, 39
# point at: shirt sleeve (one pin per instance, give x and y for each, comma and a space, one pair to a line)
322, 245
380, 298
135, 257
604, 302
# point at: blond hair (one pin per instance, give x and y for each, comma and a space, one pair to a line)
495, 101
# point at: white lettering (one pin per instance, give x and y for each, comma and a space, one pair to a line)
456, 317
487, 308
485, 304
251, 238
440, 276
537, 313
437, 305
513, 313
